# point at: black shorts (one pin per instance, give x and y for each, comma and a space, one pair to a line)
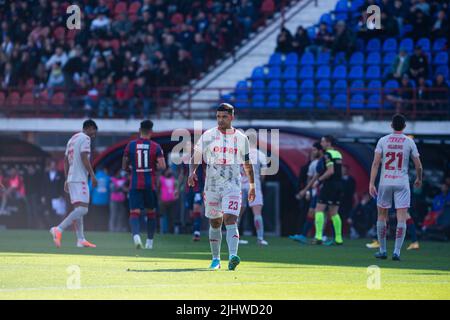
331, 193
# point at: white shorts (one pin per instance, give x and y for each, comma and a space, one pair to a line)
79, 192
259, 200
401, 195
217, 204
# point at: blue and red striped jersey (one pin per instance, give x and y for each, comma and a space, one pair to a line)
143, 156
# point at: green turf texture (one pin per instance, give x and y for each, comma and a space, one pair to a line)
177, 268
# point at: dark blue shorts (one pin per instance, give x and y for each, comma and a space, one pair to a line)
191, 198
143, 199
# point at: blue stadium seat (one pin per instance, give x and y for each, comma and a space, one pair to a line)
258, 86
291, 59
340, 101
442, 69
357, 84
289, 73
290, 87
424, 43
406, 29
340, 72
306, 101
373, 58
390, 86
226, 98
274, 101
241, 88
356, 5
323, 58
274, 73
307, 86
441, 58
341, 5
340, 86
373, 72
258, 73
374, 86
275, 60
356, 72
306, 72
357, 58
374, 101
439, 44
242, 101
407, 44
357, 101
389, 58
323, 72
274, 86
307, 59
373, 45
390, 45
340, 58
290, 101
311, 31
324, 101
326, 18
258, 101
324, 86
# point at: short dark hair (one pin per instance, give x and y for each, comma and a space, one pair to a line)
318, 146
90, 124
330, 139
398, 122
226, 107
146, 125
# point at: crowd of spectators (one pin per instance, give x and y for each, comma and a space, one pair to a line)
123, 50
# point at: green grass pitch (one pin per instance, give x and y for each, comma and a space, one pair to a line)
32, 268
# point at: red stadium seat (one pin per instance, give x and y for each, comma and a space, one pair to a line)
268, 7
121, 7
58, 99
2, 98
30, 83
27, 99
71, 34
13, 99
134, 8
59, 33
177, 18
115, 44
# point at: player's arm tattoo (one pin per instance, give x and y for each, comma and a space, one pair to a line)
328, 173
375, 165
161, 163
87, 163
248, 167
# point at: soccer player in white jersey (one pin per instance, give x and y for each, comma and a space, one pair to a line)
393, 152
77, 167
224, 149
259, 161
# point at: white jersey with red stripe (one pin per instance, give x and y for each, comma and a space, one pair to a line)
223, 153
80, 142
396, 150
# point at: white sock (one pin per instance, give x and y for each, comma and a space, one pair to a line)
259, 226
232, 239
215, 240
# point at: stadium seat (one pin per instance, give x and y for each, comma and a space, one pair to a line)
58, 99
323, 58
177, 19
390, 86
390, 45
373, 58
373, 72
340, 101
324, 101
290, 101
306, 72
340, 72
59, 33
306, 101
242, 101
307, 86
13, 99
258, 86
324, 86
374, 101
443, 70
323, 72
274, 86
307, 59
389, 58
374, 86
291, 59
258, 73
290, 73
134, 8
311, 31
340, 86
357, 58
27, 99
340, 58
356, 72
407, 44
357, 101
121, 7
258, 101
290, 87
373, 45
275, 60
2, 98
356, 5
326, 18
274, 101
241, 88
274, 73
439, 44
424, 43
357, 84
441, 58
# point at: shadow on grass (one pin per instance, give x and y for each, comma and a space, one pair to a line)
280, 251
